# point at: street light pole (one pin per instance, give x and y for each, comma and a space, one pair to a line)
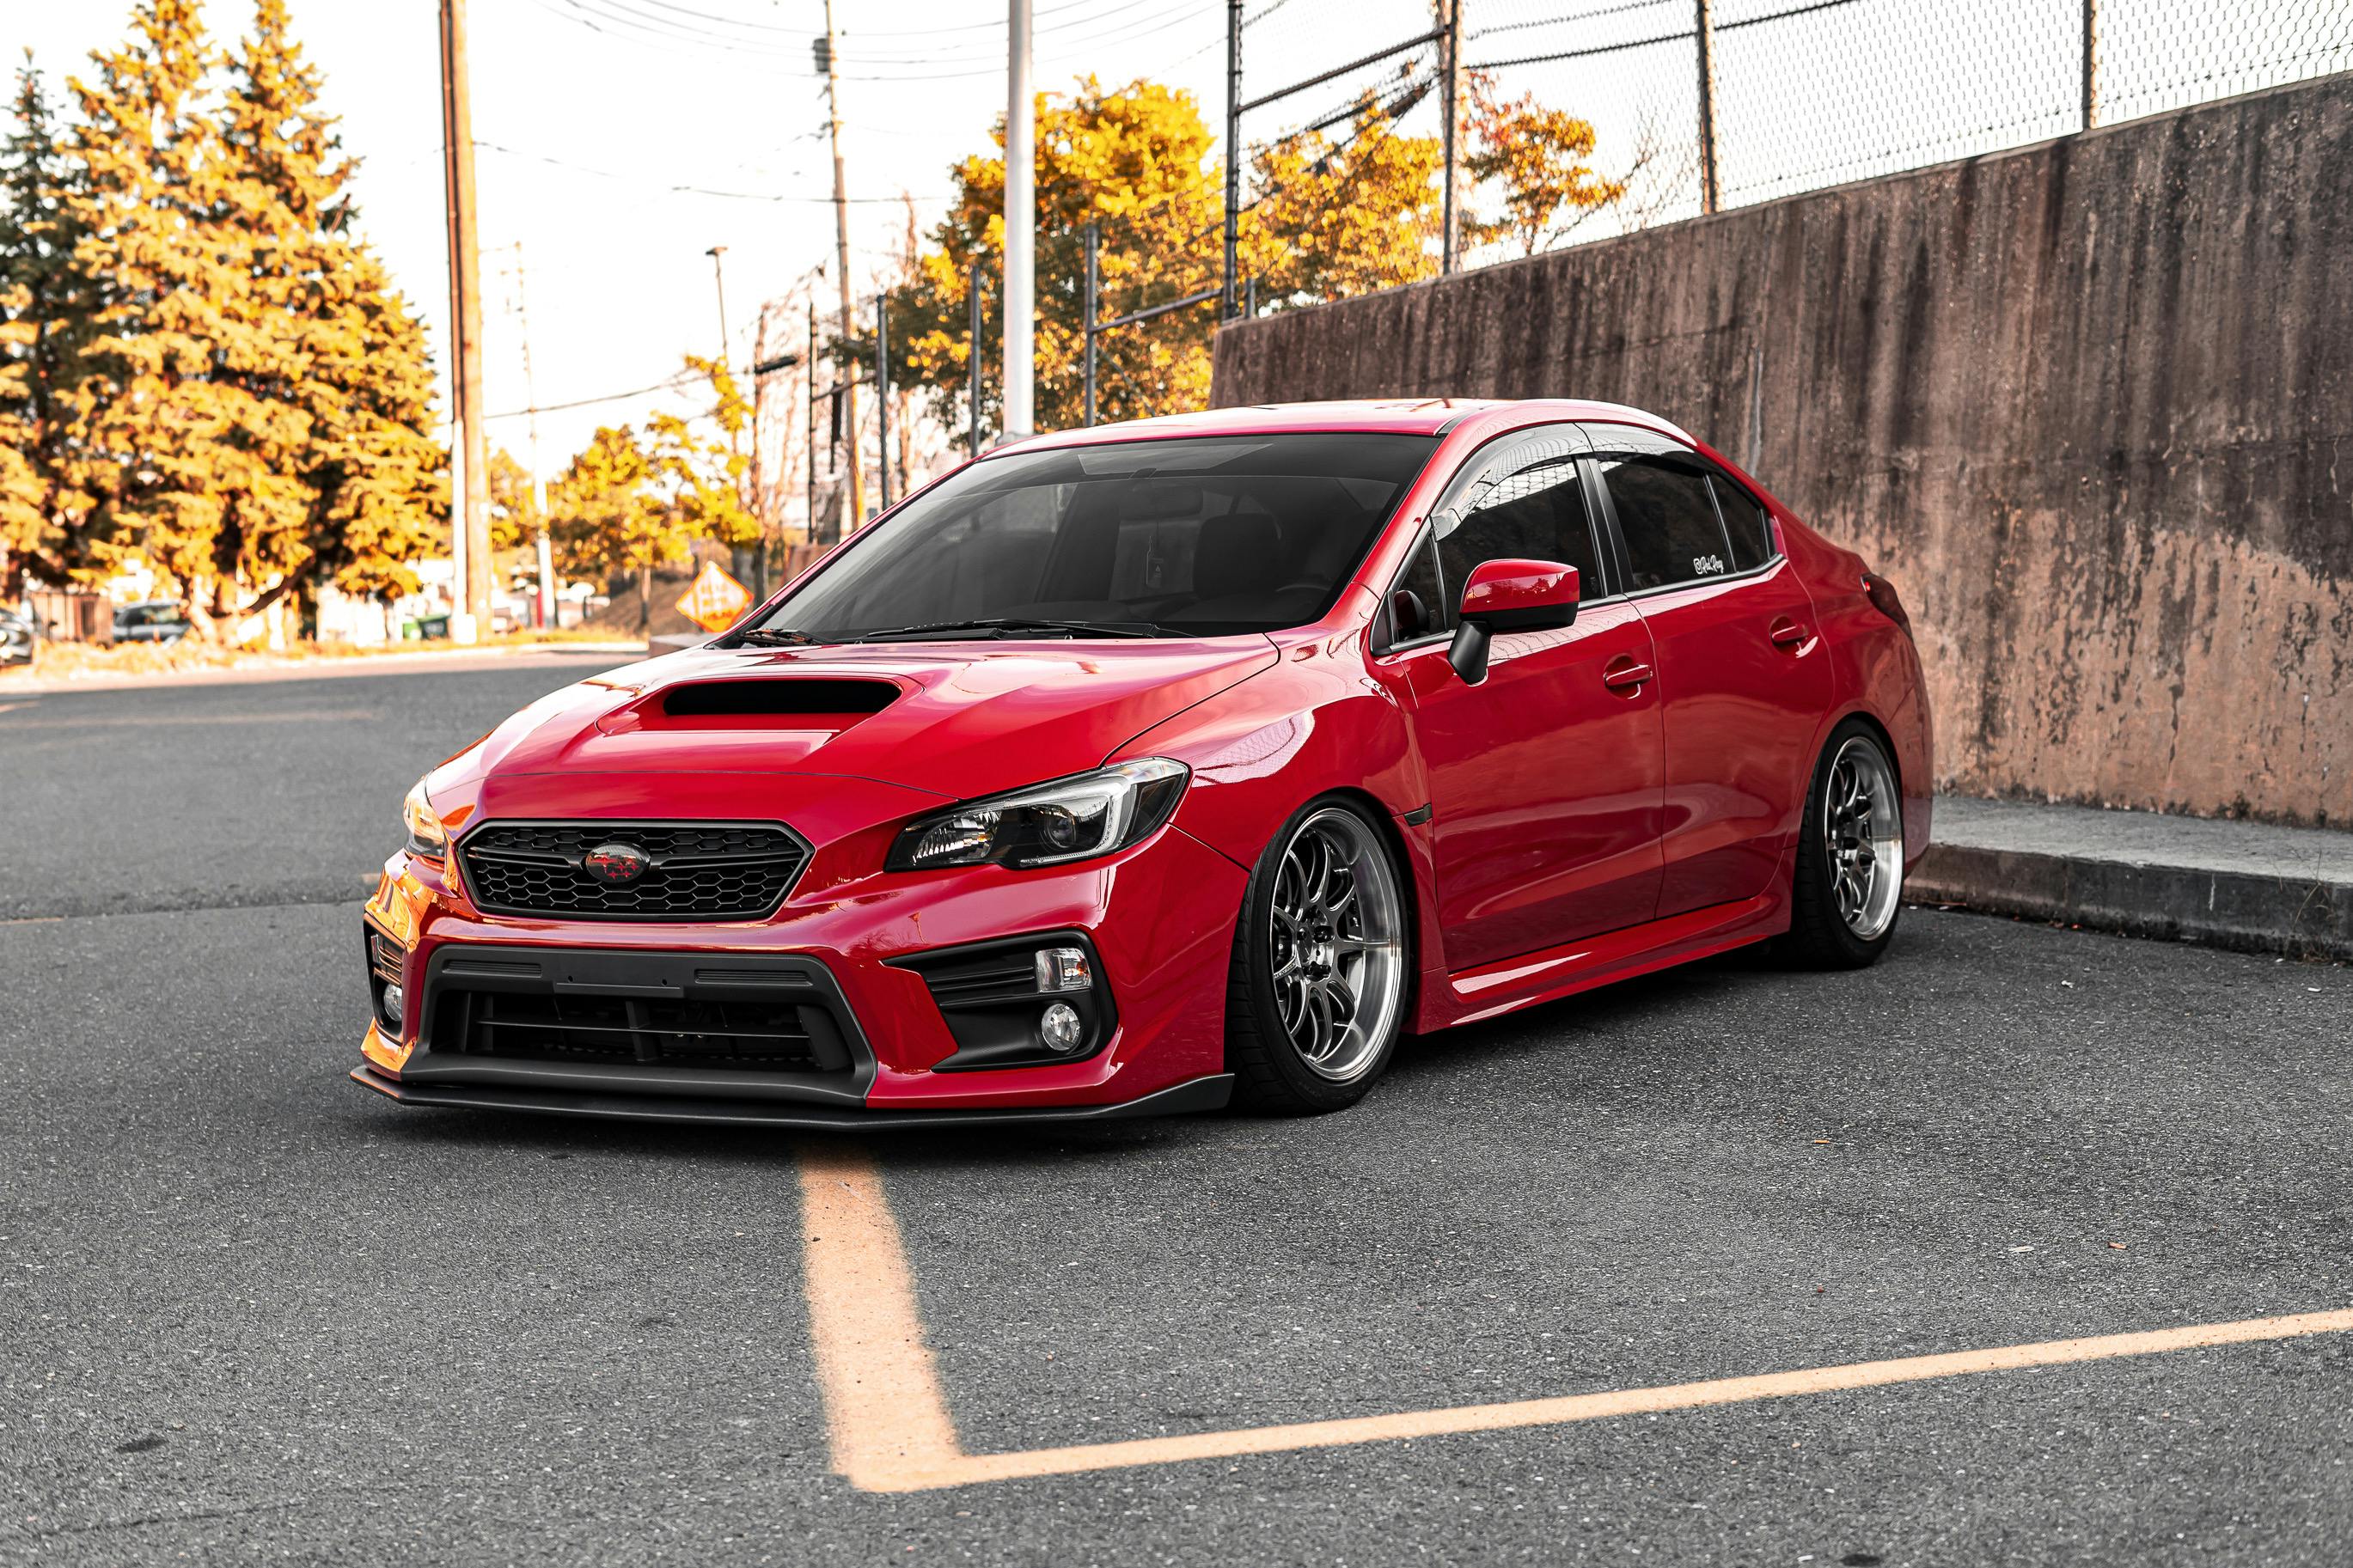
719, 278
1020, 226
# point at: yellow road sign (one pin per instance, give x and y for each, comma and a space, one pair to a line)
713, 599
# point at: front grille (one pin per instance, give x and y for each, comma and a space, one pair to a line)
705, 870
759, 1034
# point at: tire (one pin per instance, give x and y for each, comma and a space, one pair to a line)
1847, 892
1301, 932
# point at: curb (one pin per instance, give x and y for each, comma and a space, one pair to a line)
2245, 912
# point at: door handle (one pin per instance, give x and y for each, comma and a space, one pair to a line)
1624, 674
1789, 635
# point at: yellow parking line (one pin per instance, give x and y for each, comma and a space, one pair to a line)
892, 1431
883, 1399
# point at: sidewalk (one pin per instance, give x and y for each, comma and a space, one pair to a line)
2239, 885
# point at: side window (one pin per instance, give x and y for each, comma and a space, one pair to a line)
1536, 513
1669, 520
1745, 522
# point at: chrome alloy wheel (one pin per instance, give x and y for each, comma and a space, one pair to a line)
1337, 939
1863, 834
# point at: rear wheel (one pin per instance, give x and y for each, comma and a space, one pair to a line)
1848, 886
1316, 994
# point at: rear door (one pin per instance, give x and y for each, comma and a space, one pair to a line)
1544, 777
1741, 674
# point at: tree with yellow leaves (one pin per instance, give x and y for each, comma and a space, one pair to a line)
1333, 216
632, 503
1540, 160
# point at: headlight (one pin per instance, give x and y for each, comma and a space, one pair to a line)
424, 824
1069, 819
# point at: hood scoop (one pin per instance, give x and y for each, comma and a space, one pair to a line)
775, 696
773, 719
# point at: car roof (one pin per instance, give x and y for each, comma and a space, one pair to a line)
1400, 415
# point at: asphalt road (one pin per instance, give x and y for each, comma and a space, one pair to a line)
249, 1311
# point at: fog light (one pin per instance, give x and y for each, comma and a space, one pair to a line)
1061, 1028
1064, 969
387, 1007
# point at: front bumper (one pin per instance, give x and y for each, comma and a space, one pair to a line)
874, 1046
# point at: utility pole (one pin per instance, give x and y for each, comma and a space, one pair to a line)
828, 57
1094, 239
1449, 92
1233, 154
882, 396
971, 355
2090, 63
808, 534
531, 396
470, 547
1703, 31
1020, 226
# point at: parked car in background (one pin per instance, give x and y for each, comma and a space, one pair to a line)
155, 620
16, 639
1158, 766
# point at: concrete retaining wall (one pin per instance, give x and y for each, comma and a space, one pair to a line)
2089, 402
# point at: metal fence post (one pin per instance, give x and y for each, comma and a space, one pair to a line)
1233, 150
972, 359
1450, 91
882, 395
1094, 239
1704, 31
1250, 298
2090, 63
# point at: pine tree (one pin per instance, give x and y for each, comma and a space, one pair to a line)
346, 356
165, 280
44, 324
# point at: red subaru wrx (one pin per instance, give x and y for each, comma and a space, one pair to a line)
1159, 766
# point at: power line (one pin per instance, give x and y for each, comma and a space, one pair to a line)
683, 189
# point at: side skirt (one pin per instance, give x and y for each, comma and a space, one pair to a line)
1511, 983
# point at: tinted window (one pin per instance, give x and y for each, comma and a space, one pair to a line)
1744, 521
1536, 513
1672, 533
1417, 604
1191, 537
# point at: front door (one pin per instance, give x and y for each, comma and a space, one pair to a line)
1545, 778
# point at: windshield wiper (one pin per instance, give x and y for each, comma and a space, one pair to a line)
777, 636
1000, 626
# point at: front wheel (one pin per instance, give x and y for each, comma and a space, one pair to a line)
1848, 886
1316, 993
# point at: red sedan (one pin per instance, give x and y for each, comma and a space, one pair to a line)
1162, 766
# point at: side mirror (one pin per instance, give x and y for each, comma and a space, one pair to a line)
1510, 596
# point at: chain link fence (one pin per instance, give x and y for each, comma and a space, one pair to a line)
1794, 94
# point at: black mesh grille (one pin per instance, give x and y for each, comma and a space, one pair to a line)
761, 1035
720, 871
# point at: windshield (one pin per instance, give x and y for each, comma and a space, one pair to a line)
1196, 537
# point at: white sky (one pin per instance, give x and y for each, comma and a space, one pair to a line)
589, 112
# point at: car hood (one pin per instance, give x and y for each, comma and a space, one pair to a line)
958, 720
